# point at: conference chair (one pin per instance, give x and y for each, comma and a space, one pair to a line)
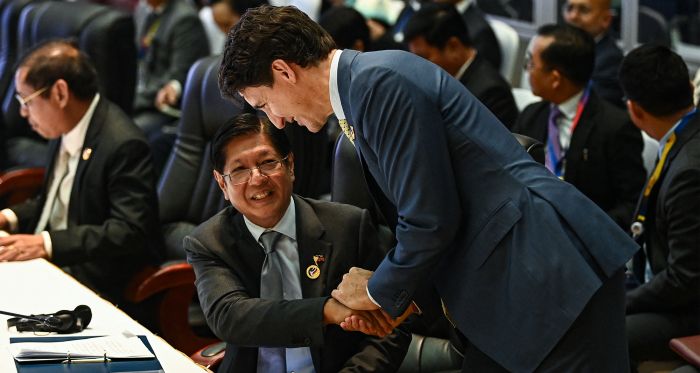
19, 185
103, 33
509, 44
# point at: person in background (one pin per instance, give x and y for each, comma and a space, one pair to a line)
667, 303
97, 215
219, 16
265, 266
589, 142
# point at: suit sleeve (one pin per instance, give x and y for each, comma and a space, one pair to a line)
677, 285
404, 130
376, 354
238, 318
131, 208
27, 214
628, 172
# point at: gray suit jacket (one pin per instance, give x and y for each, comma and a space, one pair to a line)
514, 252
179, 41
227, 262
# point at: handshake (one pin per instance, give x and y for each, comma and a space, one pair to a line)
351, 308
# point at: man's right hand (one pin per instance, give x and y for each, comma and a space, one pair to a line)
368, 322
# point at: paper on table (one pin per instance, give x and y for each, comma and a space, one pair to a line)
116, 347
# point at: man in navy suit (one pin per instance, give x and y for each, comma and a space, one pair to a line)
526, 266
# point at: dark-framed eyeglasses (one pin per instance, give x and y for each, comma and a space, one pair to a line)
24, 101
267, 168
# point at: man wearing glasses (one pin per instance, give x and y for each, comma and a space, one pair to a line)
266, 266
595, 16
96, 215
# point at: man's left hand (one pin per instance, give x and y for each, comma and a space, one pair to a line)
22, 247
352, 291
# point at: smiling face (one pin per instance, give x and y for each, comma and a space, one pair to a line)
289, 99
594, 16
264, 198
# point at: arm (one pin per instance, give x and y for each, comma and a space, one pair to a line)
677, 285
627, 173
130, 210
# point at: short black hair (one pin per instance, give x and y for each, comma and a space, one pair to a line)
265, 34
437, 23
57, 59
657, 79
345, 25
241, 125
572, 52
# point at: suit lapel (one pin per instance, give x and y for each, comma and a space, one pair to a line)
245, 251
310, 243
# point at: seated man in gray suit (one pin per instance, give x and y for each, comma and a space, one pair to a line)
438, 33
96, 215
264, 276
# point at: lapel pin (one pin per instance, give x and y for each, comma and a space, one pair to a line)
87, 152
313, 271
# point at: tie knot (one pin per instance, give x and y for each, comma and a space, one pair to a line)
554, 113
269, 239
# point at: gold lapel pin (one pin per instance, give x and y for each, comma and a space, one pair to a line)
313, 271
87, 152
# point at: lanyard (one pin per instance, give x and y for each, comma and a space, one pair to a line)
637, 228
561, 158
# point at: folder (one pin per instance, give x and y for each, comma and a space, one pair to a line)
114, 365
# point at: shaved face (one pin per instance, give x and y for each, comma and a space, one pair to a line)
594, 16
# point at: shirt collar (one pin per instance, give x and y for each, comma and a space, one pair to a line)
463, 5
465, 66
73, 140
664, 139
568, 107
333, 86
287, 225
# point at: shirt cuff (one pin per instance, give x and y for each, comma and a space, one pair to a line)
372, 299
177, 86
47, 244
12, 220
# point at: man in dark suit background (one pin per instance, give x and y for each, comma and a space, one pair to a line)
319, 242
595, 17
667, 304
437, 33
97, 214
599, 151
526, 266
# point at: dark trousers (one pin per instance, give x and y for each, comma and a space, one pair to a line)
595, 342
648, 334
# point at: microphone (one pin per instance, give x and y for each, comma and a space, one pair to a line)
48, 320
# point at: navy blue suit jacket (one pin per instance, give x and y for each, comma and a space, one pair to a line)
514, 252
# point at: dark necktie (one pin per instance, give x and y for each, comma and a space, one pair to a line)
271, 359
553, 154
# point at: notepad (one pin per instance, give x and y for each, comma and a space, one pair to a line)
112, 347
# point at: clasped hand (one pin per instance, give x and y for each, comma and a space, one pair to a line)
22, 247
359, 313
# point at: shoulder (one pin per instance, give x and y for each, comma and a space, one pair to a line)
116, 128
329, 211
213, 229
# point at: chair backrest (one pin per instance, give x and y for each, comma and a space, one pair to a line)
103, 33
653, 27
524, 97
509, 43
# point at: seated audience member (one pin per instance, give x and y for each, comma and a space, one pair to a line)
589, 142
170, 38
480, 32
667, 222
219, 16
96, 215
595, 17
347, 27
264, 275
438, 33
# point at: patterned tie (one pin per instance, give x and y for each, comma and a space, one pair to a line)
271, 359
54, 211
553, 154
347, 130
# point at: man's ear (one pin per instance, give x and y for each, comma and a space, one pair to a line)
221, 182
290, 164
61, 93
283, 70
637, 113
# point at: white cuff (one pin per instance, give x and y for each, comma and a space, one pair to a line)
12, 220
177, 86
372, 299
47, 244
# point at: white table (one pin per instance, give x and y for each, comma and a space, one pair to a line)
37, 286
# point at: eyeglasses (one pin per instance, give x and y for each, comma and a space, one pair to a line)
579, 8
529, 65
267, 168
24, 101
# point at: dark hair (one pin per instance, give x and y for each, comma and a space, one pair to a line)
437, 23
60, 59
345, 25
265, 34
657, 79
572, 52
241, 125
